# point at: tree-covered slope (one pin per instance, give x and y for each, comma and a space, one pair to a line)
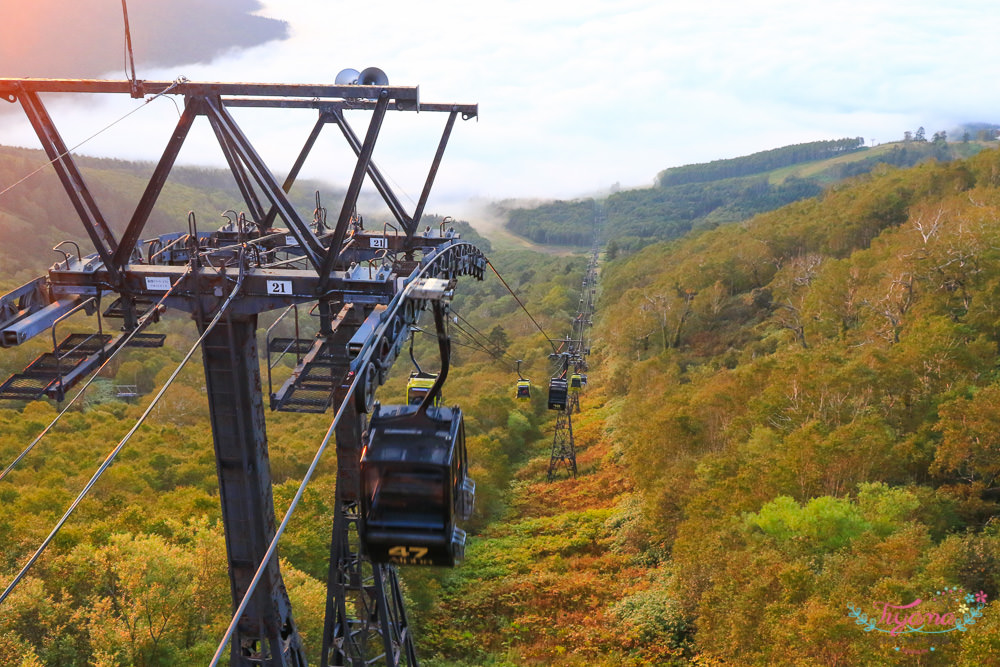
36, 214
138, 574
807, 407
703, 196
787, 419
759, 163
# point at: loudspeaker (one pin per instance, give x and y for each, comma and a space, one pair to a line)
372, 76
347, 77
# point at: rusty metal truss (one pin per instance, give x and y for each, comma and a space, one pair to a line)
362, 284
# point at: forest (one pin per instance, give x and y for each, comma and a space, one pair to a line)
25, 242
704, 196
790, 422
758, 163
806, 408
645, 215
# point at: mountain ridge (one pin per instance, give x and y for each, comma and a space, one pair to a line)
706, 195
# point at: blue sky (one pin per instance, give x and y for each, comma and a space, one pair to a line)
575, 97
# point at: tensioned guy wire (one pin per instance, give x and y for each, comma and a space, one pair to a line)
178, 81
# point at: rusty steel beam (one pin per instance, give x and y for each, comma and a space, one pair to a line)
325, 106
390, 198
418, 212
11, 87
72, 180
153, 188
293, 173
220, 117
353, 190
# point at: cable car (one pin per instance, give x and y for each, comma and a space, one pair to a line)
575, 383
523, 390
418, 386
523, 385
415, 486
558, 390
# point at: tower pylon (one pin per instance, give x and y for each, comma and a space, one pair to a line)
563, 447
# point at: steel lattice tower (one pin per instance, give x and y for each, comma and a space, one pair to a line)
366, 289
563, 447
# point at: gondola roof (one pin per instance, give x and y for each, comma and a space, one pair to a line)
400, 435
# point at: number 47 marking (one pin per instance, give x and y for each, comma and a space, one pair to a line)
408, 552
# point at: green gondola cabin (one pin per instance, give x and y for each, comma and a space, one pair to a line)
523, 390
418, 386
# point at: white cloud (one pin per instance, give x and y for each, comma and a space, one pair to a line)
576, 96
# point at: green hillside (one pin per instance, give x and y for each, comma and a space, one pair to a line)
804, 401
36, 214
138, 576
760, 162
790, 423
703, 196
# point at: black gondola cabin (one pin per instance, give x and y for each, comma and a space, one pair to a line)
558, 389
416, 486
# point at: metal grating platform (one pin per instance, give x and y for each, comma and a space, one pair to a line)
115, 309
317, 382
290, 345
52, 373
50, 365
306, 400
24, 387
147, 340
69, 354
42, 376
83, 343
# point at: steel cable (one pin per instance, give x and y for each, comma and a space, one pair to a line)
476, 342
471, 326
178, 81
477, 345
547, 337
